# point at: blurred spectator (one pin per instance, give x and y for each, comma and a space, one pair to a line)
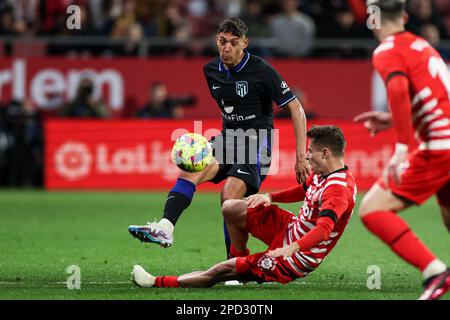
25, 16
20, 145
338, 18
174, 23
53, 16
84, 105
254, 19
126, 20
344, 23
231, 8
422, 12
293, 30
257, 27
7, 24
105, 13
160, 105
146, 11
132, 40
443, 6
431, 33
203, 17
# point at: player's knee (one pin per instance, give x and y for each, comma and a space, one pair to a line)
368, 206
363, 209
226, 196
229, 208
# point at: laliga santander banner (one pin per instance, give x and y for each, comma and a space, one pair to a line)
135, 154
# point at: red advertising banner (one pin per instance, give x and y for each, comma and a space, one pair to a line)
333, 88
135, 154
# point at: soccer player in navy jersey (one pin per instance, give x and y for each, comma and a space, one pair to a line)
244, 87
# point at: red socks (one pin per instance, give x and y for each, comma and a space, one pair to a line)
393, 230
167, 282
235, 253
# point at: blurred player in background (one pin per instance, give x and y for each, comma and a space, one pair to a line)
297, 244
418, 88
244, 87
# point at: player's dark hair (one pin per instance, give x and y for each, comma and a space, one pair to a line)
390, 9
235, 26
330, 137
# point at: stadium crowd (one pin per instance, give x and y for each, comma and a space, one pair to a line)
184, 20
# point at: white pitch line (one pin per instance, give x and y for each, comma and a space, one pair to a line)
129, 282
63, 282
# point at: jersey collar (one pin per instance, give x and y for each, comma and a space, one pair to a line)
345, 168
239, 66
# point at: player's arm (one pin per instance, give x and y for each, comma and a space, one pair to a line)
293, 194
400, 104
299, 122
375, 121
280, 92
335, 202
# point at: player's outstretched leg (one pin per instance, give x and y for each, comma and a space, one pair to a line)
234, 188
178, 199
220, 272
378, 212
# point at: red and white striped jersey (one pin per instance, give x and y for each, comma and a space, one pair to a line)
335, 192
429, 80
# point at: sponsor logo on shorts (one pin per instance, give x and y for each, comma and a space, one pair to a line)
243, 172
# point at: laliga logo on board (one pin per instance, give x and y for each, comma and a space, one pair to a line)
73, 160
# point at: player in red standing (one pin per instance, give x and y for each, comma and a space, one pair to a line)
297, 244
418, 89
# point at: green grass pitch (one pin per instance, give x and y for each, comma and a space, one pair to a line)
43, 233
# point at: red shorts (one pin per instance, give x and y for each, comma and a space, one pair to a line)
428, 173
268, 224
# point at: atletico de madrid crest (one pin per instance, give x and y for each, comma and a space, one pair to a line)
241, 88
267, 263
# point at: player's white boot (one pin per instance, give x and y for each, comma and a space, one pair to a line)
155, 232
142, 278
233, 283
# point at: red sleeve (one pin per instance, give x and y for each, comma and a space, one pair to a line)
394, 72
335, 201
388, 62
400, 105
317, 234
294, 194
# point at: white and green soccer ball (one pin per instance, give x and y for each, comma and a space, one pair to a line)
191, 152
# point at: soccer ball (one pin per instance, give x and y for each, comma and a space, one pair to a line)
191, 152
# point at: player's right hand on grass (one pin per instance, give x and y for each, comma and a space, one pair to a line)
375, 121
256, 199
302, 170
